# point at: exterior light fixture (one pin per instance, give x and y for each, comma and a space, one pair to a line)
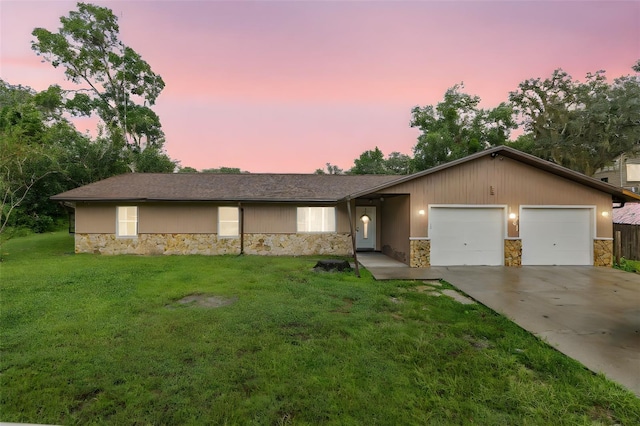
514, 218
421, 212
605, 214
365, 224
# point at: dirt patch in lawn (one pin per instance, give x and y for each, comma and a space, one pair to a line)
205, 301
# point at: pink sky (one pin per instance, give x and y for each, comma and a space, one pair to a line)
289, 86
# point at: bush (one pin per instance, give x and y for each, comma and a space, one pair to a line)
42, 224
628, 265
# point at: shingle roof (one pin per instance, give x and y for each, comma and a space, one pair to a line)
224, 187
629, 214
292, 187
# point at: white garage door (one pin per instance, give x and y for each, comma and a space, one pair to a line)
466, 235
556, 236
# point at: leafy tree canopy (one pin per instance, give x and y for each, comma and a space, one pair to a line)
226, 170
457, 127
114, 81
580, 125
372, 162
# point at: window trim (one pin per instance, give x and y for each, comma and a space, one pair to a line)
120, 221
236, 221
321, 231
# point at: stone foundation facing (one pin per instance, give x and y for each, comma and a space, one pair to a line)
210, 244
512, 252
603, 253
420, 253
298, 244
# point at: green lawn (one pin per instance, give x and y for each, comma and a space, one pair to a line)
96, 339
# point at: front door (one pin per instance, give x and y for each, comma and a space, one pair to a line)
365, 228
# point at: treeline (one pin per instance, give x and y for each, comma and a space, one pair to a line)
42, 153
580, 125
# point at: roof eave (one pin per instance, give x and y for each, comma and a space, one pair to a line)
196, 200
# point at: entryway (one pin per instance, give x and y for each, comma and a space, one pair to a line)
366, 228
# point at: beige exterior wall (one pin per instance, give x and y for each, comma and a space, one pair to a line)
395, 228
177, 218
499, 181
191, 228
192, 218
95, 218
270, 218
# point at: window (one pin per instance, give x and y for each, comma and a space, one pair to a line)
228, 222
316, 219
127, 225
633, 172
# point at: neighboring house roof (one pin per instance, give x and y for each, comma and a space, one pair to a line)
618, 194
629, 214
293, 187
224, 187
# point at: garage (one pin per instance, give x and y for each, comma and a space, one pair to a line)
466, 235
557, 235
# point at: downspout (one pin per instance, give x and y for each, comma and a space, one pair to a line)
353, 237
241, 211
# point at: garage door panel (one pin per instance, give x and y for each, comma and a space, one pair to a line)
466, 236
556, 236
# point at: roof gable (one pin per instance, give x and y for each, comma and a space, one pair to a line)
618, 194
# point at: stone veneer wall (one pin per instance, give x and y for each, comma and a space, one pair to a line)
298, 244
420, 256
210, 244
603, 253
512, 252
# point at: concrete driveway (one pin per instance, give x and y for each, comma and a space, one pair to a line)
590, 314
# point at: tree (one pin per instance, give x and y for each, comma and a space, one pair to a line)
224, 170
398, 164
331, 170
187, 169
457, 127
115, 82
28, 155
580, 125
369, 163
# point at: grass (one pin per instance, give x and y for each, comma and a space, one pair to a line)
628, 265
89, 339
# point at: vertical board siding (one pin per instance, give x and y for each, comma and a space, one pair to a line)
629, 240
177, 218
499, 181
282, 218
95, 218
270, 218
394, 228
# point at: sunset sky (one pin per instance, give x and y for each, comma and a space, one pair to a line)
287, 86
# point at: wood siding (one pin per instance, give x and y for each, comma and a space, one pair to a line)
499, 181
629, 241
183, 218
196, 218
395, 228
269, 218
95, 218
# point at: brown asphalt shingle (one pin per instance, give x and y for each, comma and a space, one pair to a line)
224, 187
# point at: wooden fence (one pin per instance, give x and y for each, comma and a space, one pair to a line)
629, 241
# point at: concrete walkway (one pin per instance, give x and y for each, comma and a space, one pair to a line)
590, 314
